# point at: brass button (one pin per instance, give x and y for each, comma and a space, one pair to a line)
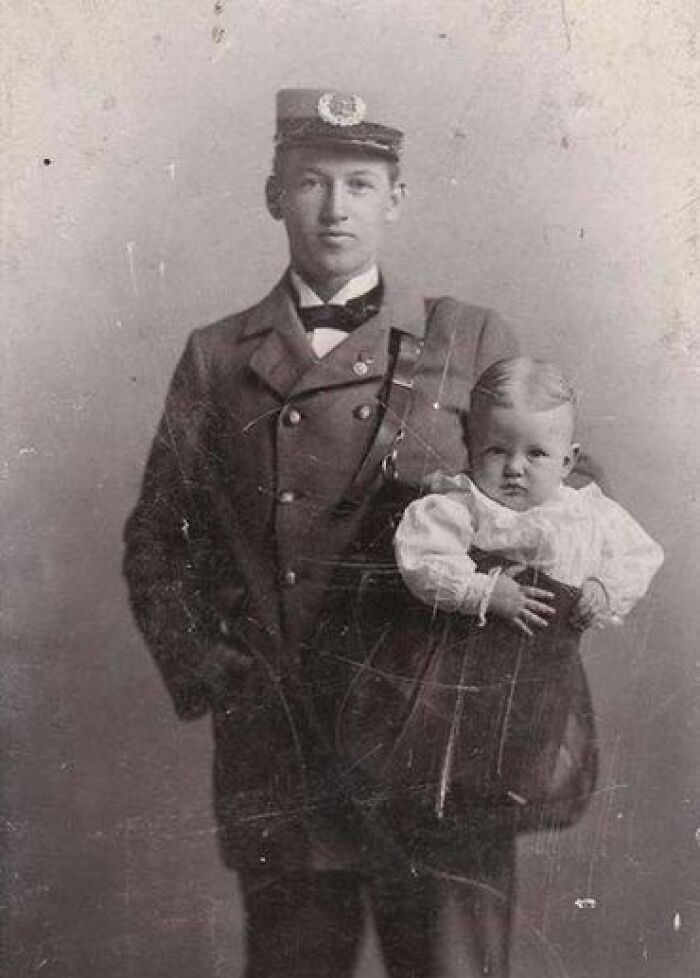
287, 496
361, 369
363, 412
289, 578
293, 416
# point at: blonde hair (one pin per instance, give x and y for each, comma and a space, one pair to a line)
534, 384
520, 382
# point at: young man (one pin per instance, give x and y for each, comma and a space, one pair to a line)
262, 479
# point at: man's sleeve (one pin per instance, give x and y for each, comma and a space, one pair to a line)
496, 342
168, 541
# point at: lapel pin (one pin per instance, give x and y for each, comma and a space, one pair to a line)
362, 365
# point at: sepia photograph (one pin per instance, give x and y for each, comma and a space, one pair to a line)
350, 378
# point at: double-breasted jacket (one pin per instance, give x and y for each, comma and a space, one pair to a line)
235, 541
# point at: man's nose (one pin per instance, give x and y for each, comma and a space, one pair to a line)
334, 203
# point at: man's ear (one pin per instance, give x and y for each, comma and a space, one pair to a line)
570, 459
273, 197
396, 195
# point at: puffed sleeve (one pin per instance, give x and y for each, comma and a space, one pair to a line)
629, 559
432, 552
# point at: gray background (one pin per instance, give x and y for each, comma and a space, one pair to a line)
550, 163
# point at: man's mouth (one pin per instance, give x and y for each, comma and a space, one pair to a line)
513, 488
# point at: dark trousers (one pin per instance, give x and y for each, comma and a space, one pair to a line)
402, 862
310, 925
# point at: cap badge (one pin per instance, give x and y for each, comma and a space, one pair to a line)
341, 110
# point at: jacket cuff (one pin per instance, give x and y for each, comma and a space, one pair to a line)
191, 699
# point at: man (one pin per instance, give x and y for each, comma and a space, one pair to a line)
263, 478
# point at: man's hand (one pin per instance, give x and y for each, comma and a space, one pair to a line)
523, 606
592, 604
224, 669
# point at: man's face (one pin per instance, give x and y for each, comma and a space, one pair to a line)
335, 205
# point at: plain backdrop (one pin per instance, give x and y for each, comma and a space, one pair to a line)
551, 159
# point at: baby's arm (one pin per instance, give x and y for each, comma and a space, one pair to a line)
432, 552
593, 606
629, 560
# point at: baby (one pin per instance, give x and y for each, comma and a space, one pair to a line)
513, 502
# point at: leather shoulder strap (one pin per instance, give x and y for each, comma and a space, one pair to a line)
405, 352
396, 401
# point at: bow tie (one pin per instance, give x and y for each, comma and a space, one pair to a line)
346, 318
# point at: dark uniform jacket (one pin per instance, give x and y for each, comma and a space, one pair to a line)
237, 535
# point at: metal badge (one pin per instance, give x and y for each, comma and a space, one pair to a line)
341, 110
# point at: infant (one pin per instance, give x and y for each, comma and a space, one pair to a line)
513, 502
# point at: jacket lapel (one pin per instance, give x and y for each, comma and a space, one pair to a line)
364, 355
284, 354
285, 361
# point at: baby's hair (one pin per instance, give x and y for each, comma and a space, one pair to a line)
535, 384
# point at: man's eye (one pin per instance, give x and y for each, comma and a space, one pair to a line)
537, 453
359, 185
494, 450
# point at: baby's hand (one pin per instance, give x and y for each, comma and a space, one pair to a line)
524, 607
592, 604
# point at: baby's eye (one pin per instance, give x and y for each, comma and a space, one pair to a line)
537, 453
494, 450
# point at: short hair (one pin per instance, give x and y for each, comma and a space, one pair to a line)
536, 384
393, 166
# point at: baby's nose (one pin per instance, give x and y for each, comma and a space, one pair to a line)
514, 464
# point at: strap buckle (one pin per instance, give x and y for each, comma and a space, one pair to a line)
388, 466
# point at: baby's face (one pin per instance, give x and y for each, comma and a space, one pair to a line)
520, 456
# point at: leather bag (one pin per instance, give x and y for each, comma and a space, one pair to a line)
439, 715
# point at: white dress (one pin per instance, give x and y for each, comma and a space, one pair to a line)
578, 534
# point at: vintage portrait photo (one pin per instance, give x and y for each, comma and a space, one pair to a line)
351, 371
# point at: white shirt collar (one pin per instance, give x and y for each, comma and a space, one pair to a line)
359, 285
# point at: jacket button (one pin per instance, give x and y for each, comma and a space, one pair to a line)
287, 496
292, 416
361, 369
363, 412
289, 578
